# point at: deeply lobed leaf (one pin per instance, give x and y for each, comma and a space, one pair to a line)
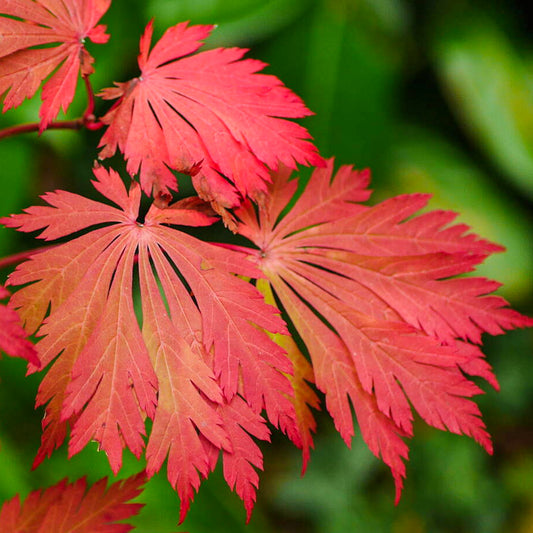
372, 293
211, 115
202, 341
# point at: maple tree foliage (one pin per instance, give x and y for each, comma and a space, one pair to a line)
185, 368
210, 115
373, 293
26, 59
138, 320
71, 507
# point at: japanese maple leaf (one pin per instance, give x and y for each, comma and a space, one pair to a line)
202, 342
71, 507
26, 58
373, 293
210, 115
12, 336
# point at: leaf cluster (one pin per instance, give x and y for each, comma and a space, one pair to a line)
385, 322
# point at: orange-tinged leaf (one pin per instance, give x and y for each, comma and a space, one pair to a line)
72, 507
373, 294
26, 58
210, 115
201, 340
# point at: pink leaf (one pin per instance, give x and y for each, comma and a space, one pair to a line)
200, 340
210, 115
373, 293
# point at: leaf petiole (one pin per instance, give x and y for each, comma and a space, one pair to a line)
87, 120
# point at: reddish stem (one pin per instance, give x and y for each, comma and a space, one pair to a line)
34, 126
88, 120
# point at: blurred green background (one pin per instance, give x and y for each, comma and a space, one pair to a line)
433, 97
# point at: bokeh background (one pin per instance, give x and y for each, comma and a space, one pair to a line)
433, 97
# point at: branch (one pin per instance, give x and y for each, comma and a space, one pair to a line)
88, 120
34, 126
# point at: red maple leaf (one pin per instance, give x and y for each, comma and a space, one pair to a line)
12, 336
210, 115
203, 340
73, 507
26, 58
373, 293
